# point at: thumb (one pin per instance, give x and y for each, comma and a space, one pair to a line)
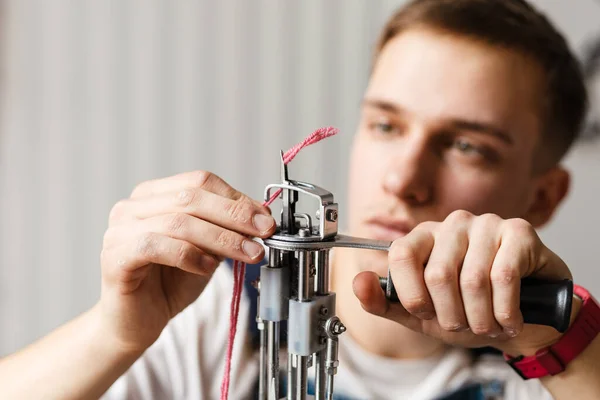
372, 299
368, 291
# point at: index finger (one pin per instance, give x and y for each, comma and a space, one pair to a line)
407, 259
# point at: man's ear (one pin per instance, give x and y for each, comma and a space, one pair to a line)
550, 190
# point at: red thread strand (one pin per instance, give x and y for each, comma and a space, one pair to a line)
239, 268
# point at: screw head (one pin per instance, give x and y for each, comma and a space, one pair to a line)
304, 232
324, 310
338, 328
334, 327
331, 215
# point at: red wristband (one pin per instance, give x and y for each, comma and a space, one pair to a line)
554, 359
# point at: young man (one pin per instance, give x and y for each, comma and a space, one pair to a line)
470, 107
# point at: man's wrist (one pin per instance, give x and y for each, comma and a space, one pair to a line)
549, 336
104, 340
554, 358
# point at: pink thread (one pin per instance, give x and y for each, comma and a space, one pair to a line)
239, 268
289, 155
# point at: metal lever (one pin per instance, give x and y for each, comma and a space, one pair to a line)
542, 302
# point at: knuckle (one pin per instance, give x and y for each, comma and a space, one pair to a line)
416, 304
146, 245
488, 219
185, 254
520, 227
240, 210
436, 276
186, 197
527, 237
473, 282
505, 318
117, 212
137, 189
201, 178
481, 329
176, 222
140, 188
427, 226
504, 275
452, 326
402, 252
459, 216
227, 239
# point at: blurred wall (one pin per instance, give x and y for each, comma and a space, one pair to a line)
97, 96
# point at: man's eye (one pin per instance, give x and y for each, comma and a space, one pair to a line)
471, 152
383, 127
466, 147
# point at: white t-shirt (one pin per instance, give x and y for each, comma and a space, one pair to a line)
188, 359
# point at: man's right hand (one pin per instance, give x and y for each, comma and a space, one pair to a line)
163, 245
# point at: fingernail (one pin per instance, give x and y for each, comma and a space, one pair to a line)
494, 335
511, 332
263, 222
251, 248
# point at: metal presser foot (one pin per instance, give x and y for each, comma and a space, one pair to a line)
294, 286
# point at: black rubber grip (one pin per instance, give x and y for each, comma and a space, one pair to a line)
542, 302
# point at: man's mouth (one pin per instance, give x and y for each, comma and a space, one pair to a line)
388, 228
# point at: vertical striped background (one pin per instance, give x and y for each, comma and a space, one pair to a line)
99, 95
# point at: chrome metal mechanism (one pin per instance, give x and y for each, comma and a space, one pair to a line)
294, 287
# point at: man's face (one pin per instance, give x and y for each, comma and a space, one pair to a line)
447, 123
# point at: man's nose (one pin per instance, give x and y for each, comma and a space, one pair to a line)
409, 173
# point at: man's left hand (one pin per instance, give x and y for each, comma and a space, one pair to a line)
459, 281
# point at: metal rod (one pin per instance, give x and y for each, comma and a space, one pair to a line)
291, 384
269, 346
320, 375
331, 359
274, 258
262, 383
329, 387
273, 358
322, 272
287, 218
302, 375
321, 288
303, 276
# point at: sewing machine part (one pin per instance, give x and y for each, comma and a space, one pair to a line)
294, 287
